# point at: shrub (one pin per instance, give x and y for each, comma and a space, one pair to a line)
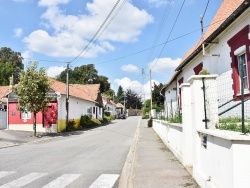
85, 121
106, 113
145, 116
71, 125
150, 122
204, 72
96, 121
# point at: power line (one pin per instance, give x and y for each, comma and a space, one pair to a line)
99, 29
168, 35
111, 19
134, 53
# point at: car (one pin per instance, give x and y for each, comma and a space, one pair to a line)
122, 116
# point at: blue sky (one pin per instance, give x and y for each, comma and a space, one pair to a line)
57, 31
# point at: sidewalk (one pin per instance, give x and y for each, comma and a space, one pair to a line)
152, 164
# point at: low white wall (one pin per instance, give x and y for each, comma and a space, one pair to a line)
29, 127
225, 160
171, 135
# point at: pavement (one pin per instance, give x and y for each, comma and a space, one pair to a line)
149, 162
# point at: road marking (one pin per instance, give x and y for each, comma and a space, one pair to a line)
5, 173
62, 181
105, 181
24, 180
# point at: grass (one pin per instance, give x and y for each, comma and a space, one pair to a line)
233, 124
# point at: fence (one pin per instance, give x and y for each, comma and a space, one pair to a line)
173, 108
231, 110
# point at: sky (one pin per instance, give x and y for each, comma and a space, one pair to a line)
124, 39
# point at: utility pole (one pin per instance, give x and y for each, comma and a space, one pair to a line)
67, 97
124, 101
150, 92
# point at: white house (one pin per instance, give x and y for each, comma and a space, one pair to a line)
220, 50
109, 105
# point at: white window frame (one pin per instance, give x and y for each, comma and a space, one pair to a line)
245, 67
25, 115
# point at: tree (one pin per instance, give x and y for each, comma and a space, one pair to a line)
157, 98
85, 74
120, 95
32, 91
10, 65
133, 100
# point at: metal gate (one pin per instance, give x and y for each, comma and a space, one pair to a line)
3, 119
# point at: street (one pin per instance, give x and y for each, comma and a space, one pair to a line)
90, 158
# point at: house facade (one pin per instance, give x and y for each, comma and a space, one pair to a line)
224, 49
53, 119
109, 105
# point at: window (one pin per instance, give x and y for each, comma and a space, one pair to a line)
239, 52
93, 110
242, 64
26, 115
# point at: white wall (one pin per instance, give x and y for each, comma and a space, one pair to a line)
77, 107
171, 135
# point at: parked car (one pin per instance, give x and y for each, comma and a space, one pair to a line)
122, 116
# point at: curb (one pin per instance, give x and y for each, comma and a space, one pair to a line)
127, 175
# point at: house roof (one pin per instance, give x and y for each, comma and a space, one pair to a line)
119, 105
3, 91
87, 92
108, 101
228, 11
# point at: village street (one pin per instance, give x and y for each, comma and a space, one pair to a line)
76, 160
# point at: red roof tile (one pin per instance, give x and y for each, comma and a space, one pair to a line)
3, 91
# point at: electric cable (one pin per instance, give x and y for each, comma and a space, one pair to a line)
169, 35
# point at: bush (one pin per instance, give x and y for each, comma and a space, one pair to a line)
204, 72
145, 116
96, 121
71, 125
85, 121
107, 113
150, 122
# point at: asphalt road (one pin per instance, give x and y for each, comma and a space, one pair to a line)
93, 158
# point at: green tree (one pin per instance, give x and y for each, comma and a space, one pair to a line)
120, 95
32, 91
133, 100
85, 74
157, 98
10, 65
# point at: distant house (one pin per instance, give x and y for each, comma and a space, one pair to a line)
120, 109
224, 45
109, 105
83, 100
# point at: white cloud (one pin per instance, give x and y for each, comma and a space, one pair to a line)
130, 68
163, 65
136, 86
18, 32
54, 71
71, 33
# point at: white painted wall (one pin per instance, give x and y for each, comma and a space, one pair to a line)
171, 135
77, 107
